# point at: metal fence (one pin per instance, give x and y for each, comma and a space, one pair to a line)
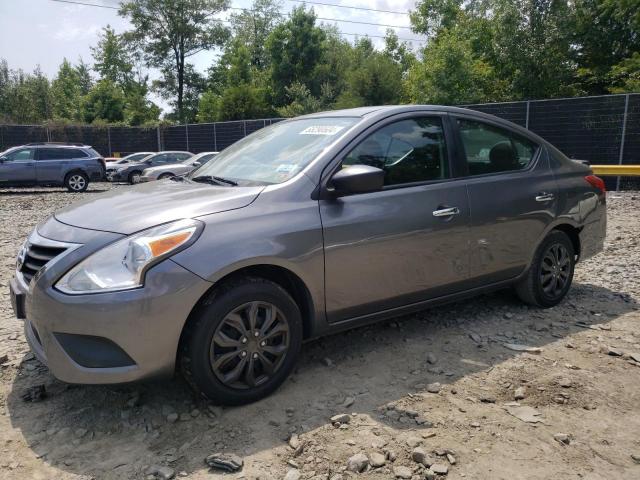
603, 130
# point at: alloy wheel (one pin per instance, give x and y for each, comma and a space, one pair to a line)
555, 270
77, 182
249, 345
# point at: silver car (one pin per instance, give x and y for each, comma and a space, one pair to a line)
307, 227
167, 171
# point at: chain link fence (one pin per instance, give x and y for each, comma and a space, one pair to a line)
603, 130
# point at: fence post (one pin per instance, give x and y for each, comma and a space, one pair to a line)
624, 133
215, 138
109, 139
48, 133
526, 122
186, 129
159, 143
244, 125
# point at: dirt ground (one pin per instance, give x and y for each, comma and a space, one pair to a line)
580, 385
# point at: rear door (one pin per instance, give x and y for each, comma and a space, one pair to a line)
18, 167
50, 164
406, 243
512, 197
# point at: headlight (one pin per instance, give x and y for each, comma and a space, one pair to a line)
122, 265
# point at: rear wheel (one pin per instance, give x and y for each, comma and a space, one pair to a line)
242, 342
166, 175
134, 177
76, 182
551, 273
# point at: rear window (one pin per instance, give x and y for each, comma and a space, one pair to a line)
61, 153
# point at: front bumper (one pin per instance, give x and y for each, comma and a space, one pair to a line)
115, 176
108, 337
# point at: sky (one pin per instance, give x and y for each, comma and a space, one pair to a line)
43, 32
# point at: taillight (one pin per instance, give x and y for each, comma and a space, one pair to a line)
596, 182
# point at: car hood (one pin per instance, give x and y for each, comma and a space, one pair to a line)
130, 209
169, 166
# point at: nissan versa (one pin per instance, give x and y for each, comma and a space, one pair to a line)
306, 227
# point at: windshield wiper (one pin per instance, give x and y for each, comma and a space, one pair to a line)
214, 180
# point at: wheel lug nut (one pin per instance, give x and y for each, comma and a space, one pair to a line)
263, 344
244, 340
255, 355
256, 334
243, 354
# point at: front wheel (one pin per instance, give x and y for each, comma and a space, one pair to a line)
76, 182
242, 341
134, 177
551, 272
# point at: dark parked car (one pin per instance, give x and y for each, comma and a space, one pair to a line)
307, 227
130, 172
52, 164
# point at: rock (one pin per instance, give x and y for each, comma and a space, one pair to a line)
357, 463
488, 399
160, 471
614, 352
195, 413
635, 457
414, 441
432, 359
522, 348
172, 417
402, 472
294, 441
4, 358
525, 413
439, 468
225, 462
348, 402
474, 425
36, 393
520, 393
562, 438
377, 460
418, 455
434, 387
451, 459
293, 474
475, 337
565, 383
341, 418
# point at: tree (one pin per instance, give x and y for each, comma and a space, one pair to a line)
66, 93
104, 103
85, 82
171, 31
253, 26
194, 84
295, 48
112, 58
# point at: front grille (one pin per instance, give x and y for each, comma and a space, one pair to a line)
36, 257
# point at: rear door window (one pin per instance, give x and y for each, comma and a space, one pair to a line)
490, 149
52, 154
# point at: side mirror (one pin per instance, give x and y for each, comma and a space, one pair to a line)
196, 164
357, 179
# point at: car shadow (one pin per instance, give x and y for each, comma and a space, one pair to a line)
51, 191
116, 431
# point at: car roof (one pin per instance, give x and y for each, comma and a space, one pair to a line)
56, 145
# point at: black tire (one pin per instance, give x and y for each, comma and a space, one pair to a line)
166, 175
76, 182
547, 281
198, 348
133, 176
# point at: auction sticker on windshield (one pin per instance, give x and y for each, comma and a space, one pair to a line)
321, 130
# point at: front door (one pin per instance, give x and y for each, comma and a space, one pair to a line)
406, 243
512, 196
18, 167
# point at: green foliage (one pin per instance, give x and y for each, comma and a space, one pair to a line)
66, 93
113, 59
169, 32
105, 102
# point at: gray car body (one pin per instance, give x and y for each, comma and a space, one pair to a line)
153, 173
347, 261
120, 173
41, 170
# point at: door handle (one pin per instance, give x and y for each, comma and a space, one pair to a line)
545, 197
446, 212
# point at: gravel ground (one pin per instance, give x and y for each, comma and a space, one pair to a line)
438, 388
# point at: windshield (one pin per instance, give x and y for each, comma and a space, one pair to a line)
276, 153
135, 157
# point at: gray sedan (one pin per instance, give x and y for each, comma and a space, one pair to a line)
167, 171
304, 228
